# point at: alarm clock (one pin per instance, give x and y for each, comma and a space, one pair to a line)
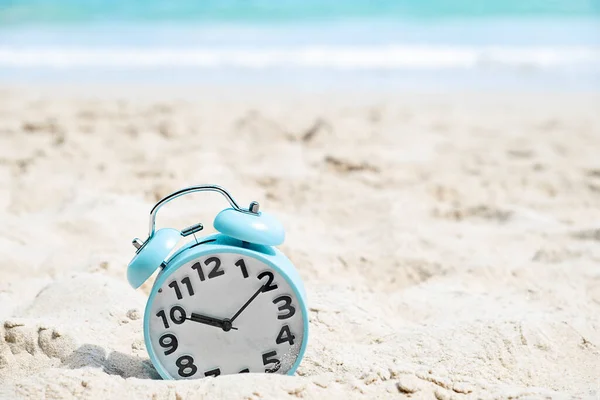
226, 303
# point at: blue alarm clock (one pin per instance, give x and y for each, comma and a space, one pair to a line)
227, 303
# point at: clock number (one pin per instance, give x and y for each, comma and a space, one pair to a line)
244, 371
242, 266
215, 271
186, 363
213, 372
175, 286
187, 283
177, 320
182, 316
267, 360
161, 314
168, 340
287, 305
198, 268
267, 287
285, 336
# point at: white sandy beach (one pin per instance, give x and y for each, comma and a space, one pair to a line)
450, 244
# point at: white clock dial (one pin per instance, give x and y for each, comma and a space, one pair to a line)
225, 313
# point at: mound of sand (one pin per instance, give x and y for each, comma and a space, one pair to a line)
449, 244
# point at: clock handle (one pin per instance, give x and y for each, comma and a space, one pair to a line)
252, 209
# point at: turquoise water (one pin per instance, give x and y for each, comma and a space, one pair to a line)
537, 44
69, 11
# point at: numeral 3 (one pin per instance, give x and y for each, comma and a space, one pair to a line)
286, 306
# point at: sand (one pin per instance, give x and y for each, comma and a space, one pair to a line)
449, 243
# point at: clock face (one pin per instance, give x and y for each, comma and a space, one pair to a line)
225, 313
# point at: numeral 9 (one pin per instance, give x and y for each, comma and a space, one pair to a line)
168, 340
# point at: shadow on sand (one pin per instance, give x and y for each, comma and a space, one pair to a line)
116, 363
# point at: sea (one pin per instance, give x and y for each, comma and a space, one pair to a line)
311, 44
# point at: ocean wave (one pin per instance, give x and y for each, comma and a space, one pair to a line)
381, 57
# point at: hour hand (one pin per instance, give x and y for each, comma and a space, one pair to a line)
224, 324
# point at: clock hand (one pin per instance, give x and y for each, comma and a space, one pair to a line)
246, 304
224, 324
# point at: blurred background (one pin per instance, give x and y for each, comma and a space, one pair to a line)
434, 44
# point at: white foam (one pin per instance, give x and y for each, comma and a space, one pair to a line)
385, 57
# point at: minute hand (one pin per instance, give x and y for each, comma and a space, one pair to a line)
247, 303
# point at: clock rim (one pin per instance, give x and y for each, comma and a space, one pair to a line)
192, 253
